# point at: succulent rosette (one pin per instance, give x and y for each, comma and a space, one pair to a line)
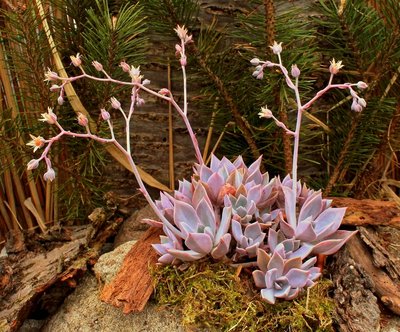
283, 278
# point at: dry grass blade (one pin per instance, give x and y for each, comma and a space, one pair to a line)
31, 207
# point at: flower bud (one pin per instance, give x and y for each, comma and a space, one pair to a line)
50, 175
362, 102
115, 103
164, 92
55, 87
183, 60
60, 100
125, 67
140, 101
76, 60
146, 82
295, 71
260, 75
362, 85
255, 61
105, 115
355, 106
178, 49
51, 75
33, 164
97, 65
82, 120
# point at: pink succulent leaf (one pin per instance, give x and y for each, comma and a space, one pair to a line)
334, 243
185, 214
297, 277
181, 197
287, 229
309, 263
263, 259
224, 225
236, 229
199, 193
255, 166
254, 194
209, 232
290, 213
206, 214
225, 162
283, 292
328, 222
268, 294
222, 247
253, 231
239, 163
311, 207
199, 242
215, 183
276, 262
205, 173
272, 239
151, 222
270, 278
292, 263
259, 279
304, 250
166, 259
251, 251
186, 188
186, 255
305, 231
292, 294
215, 163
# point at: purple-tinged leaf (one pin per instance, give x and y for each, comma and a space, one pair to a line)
199, 194
215, 183
309, 263
199, 242
334, 243
311, 207
276, 262
186, 255
290, 206
254, 194
304, 250
166, 259
329, 222
292, 294
215, 163
237, 232
253, 231
222, 247
292, 263
270, 277
206, 215
259, 279
286, 229
305, 231
224, 225
283, 292
297, 277
205, 173
185, 213
268, 295
262, 260
272, 239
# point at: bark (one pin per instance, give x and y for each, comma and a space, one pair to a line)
133, 285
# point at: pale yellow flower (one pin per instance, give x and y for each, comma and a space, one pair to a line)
335, 66
37, 142
49, 117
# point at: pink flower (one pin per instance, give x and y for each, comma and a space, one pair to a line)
49, 117
265, 113
82, 120
105, 115
34, 163
125, 67
335, 66
276, 48
164, 92
76, 60
295, 71
115, 103
50, 175
97, 65
51, 75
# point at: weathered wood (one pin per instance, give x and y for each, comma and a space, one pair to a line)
133, 286
368, 212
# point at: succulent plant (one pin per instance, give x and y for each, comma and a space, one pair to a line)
317, 223
281, 277
203, 229
250, 240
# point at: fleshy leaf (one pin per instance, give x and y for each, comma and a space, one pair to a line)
199, 242
334, 243
259, 279
297, 277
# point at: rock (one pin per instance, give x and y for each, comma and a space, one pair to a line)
108, 264
133, 227
83, 311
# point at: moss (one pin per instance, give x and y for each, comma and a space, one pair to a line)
211, 296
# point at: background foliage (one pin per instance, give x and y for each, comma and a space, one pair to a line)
342, 152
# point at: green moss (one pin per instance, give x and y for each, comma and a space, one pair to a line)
210, 295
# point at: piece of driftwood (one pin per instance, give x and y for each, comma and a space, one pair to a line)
133, 285
364, 212
31, 274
